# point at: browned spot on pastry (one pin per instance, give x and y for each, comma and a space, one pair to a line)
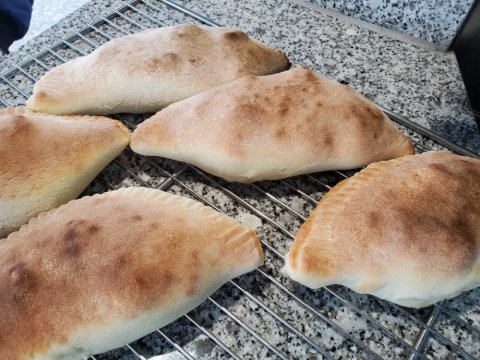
267, 99
72, 249
314, 261
18, 128
374, 113
154, 225
93, 229
70, 235
284, 105
167, 62
283, 110
253, 56
137, 217
367, 117
293, 254
465, 239
374, 219
78, 234
166, 280
171, 58
141, 282
187, 30
454, 245
194, 268
441, 169
308, 75
364, 124
280, 133
41, 95
120, 262
252, 111
235, 35
328, 140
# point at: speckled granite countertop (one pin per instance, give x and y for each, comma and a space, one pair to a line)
435, 21
264, 315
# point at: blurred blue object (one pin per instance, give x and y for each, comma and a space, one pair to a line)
15, 18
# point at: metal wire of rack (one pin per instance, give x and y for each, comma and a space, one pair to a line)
262, 314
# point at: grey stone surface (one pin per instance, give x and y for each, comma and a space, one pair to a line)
436, 21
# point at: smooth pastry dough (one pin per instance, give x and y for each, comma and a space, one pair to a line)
102, 271
47, 160
272, 127
405, 230
146, 71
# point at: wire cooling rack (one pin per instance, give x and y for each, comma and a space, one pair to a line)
261, 315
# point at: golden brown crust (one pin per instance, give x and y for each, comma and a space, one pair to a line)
303, 235
310, 122
48, 160
36, 148
417, 214
90, 118
111, 257
146, 71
